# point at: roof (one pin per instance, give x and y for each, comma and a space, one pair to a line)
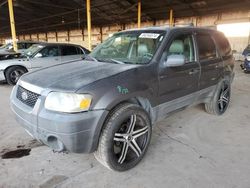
50, 15
28, 41
58, 44
167, 28
61, 44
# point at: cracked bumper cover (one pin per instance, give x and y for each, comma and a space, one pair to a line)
78, 132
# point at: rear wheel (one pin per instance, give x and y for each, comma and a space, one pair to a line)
220, 101
13, 74
125, 138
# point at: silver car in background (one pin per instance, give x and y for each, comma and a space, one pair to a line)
39, 56
22, 46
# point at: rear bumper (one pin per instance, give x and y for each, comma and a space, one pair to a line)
76, 133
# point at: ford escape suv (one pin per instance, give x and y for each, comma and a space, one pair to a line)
107, 103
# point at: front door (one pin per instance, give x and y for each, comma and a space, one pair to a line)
177, 84
46, 57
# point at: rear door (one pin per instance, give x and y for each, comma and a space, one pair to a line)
69, 53
179, 82
225, 53
210, 62
46, 57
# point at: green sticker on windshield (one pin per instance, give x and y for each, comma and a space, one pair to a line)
122, 90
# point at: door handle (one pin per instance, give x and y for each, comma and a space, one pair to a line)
193, 71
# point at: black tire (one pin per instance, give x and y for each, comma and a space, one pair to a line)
127, 127
220, 101
13, 74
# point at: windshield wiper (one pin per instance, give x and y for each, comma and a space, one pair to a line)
117, 61
88, 57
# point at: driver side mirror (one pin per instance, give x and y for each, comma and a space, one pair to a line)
38, 55
175, 61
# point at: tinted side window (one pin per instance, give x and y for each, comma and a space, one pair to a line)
86, 51
21, 45
223, 44
50, 51
206, 47
69, 50
28, 45
79, 51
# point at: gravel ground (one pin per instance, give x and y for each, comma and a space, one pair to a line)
189, 149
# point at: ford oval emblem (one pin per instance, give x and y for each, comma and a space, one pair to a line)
24, 96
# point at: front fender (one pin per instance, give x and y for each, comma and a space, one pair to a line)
109, 92
113, 97
14, 62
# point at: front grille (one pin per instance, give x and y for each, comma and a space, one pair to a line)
27, 97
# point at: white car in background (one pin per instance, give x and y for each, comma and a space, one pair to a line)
22, 46
39, 56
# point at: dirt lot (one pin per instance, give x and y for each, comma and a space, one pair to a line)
189, 149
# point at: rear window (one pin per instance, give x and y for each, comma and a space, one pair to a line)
206, 47
223, 44
69, 50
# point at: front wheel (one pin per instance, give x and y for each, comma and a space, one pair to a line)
13, 74
125, 137
220, 101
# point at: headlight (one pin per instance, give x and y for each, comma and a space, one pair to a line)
68, 102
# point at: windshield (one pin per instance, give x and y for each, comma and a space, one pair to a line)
135, 47
32, 50
6, 46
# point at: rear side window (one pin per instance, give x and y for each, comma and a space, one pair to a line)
69, 50
206, 47
223, 44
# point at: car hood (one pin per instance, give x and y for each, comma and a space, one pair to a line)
72, 76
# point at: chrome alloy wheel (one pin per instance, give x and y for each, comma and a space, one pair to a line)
224, 97
16, 74
130, 140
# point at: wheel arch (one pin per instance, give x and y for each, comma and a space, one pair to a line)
141, 101
14, 66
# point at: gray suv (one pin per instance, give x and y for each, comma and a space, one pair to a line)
108, 102
39, 56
